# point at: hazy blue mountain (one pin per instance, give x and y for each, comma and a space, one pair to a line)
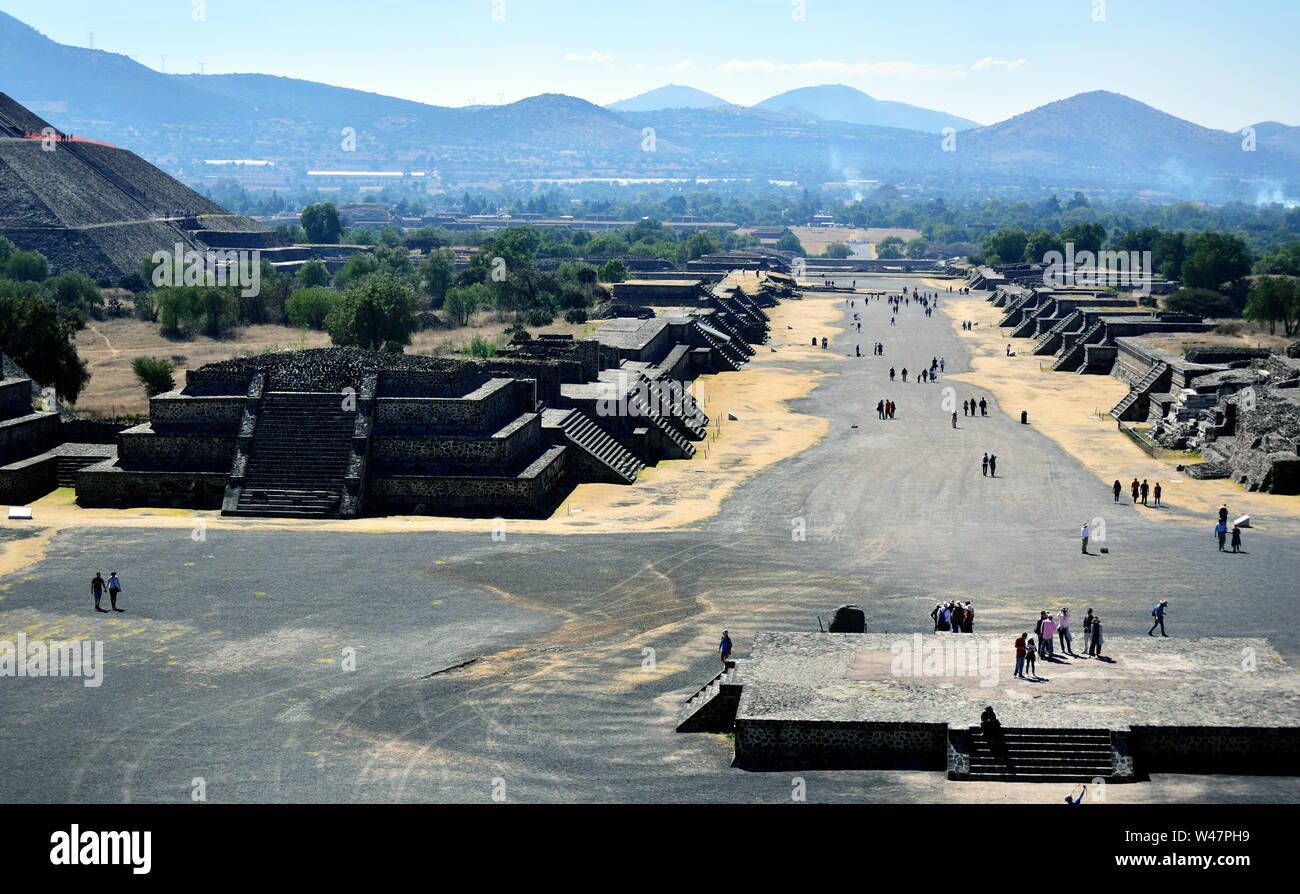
836, 102
674, 96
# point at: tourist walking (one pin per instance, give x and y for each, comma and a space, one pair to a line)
1118, 489
1094, 648
985, 465
984, 407
1221, 532
1020, 655
114, 587
954, 418
1159, 614
97, 590
1136, 489
724, 648
1146, 490
993, 463
880, 409
1084, 535
1031, 655
891, 374
1236, 531
1156, 493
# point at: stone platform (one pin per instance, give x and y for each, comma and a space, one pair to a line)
1191, 705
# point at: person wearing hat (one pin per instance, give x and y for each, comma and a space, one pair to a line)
1085, 536
1159, 614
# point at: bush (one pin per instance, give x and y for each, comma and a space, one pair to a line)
540, 316
27, 266
481, 348
155, 374
1202, 302
576, 316
312, 274
312, 307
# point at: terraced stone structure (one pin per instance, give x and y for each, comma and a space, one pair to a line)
817, 700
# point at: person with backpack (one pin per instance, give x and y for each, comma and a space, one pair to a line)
1159, 614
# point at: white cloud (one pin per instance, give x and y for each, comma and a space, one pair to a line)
593, 56
907, 70
684, 65
1001, 64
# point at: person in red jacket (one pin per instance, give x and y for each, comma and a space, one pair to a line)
1020, 656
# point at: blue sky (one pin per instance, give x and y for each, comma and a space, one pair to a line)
1220, 64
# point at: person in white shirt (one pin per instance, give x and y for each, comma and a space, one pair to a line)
1063, 630
1084, 534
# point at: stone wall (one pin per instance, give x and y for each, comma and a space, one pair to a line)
104, 484
529, 494
1215, 749
774, 744
28, 480
176, 411
15, 398
142, 449
502, 452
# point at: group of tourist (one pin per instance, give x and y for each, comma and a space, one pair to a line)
1141, 491
1221, 532
885, 409
1048, 630
968, 407
954, 617
990, 465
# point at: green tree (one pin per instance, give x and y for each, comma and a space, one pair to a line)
436, 273
361, 265
917, 248
312, 307
889, 248
1214, 259
1006, 246
312, 274
377, 313
1085, 236
155, 374
1040, 243
613, 270
790, 242
27, 266
42, 340
1202, 302
1273, 300
75, 292
461, 304
321, 222
839, 250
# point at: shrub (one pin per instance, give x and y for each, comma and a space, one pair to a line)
155, 374
312, 307
576, 316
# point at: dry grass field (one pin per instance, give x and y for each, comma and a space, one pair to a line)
108, 347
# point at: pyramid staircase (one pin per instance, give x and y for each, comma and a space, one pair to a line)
1038, 755
1124, 410
582, 433
712, 709
679, 447
1050, 341
299, 461
730, 357
1072, 357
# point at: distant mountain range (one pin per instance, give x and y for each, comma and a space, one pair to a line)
836, 102
1098, 141
674, 96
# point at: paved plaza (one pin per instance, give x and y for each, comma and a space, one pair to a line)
280, 663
